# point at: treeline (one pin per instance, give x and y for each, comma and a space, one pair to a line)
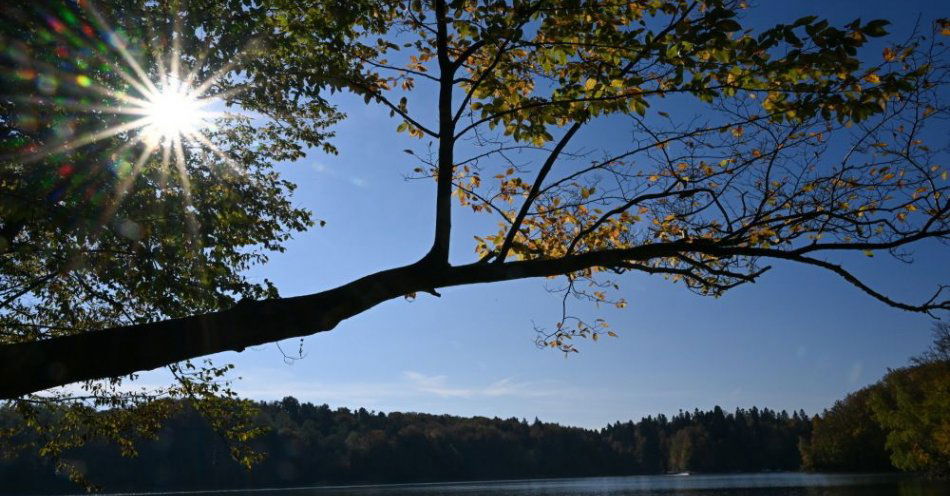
901, 422
313, 444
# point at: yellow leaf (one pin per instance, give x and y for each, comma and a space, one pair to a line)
590, 84
612, 334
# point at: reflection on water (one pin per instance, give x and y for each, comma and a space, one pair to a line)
776, 484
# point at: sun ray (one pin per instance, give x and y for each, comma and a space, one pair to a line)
192, 75
163, 173
201, 138
215, 77
133, 82
188, 206
121, 191
86, 139
176, 46
88, 84
164, 75
125, 183
156, 94
79, 106
224, 95
120, 96
118, 44
120, 152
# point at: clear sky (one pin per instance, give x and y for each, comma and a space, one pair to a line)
799, 338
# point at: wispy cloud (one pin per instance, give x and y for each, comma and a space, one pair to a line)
439, 385
410, 386
855, 373
357, 181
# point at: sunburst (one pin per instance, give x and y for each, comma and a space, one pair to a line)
173, 112
165, 111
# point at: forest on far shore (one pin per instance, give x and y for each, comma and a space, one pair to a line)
901, 422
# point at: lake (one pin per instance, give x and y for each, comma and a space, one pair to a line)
780, 484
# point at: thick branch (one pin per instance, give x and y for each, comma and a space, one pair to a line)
37, 365
439, 253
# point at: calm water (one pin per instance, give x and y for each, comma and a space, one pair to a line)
780, 484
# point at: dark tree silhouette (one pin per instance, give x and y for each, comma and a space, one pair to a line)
702, 202
309, 444
125, 243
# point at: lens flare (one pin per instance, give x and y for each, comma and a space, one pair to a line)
137, 91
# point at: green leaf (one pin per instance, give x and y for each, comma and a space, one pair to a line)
728, 25
876, 28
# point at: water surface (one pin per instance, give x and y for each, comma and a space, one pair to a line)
772, 484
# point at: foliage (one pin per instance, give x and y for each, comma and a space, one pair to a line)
939, 351
307, 444
901, 421
846, 438
750, 440
913, 406
104, 234
95, 238
806, 143
755, 178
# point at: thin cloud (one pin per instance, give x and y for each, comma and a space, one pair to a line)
275, 383
356, 181
439, 386
855, 373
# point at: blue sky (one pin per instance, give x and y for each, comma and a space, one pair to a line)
799, 338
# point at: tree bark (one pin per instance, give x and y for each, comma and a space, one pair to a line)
446, 166
37, 365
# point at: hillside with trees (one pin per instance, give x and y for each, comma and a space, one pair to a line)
901, 421
129, 228
314, 444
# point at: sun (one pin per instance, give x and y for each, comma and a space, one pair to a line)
171, 112
172, 108
163, 109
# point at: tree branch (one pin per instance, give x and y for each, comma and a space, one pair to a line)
37, 365
535, 187
439, 253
